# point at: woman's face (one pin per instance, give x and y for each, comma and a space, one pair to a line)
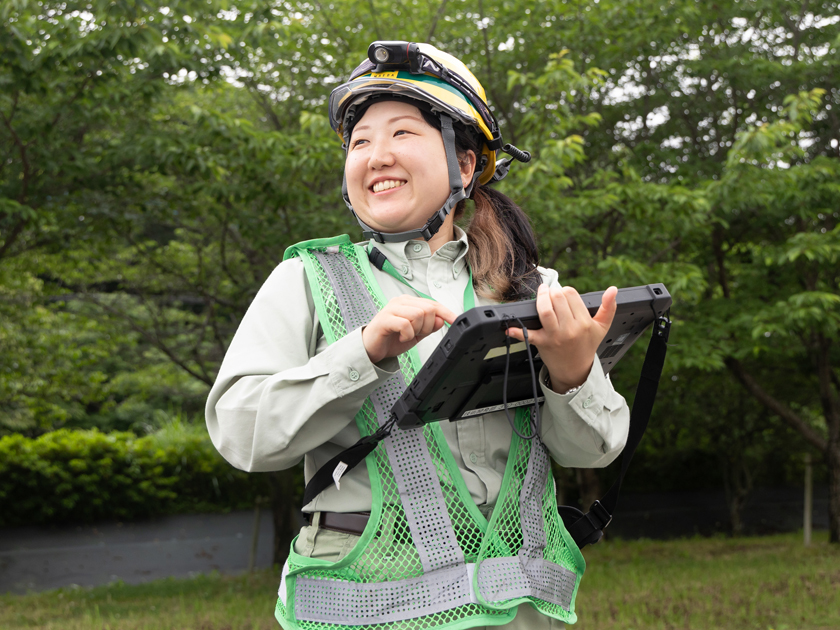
396, 168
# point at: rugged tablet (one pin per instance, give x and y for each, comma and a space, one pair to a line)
463, 377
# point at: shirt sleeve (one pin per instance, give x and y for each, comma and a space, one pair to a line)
276, 397
588, 427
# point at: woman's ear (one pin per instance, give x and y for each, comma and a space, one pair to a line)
466, 162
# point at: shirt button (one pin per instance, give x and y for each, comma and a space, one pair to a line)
437, 284
405, 269
418, 247
354, 375
473, 458
587, 403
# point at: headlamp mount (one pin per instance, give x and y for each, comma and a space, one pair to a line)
395, 55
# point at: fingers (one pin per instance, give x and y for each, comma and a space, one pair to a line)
606, 312
564, 315
546, 309
444, 313
536, 337
403, 322
554, 313
558, 308
409, 322
516, 333
576, 306
428, 306
415, 318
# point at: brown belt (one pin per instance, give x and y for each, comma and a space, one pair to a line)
344, 522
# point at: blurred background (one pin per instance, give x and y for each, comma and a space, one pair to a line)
156, 159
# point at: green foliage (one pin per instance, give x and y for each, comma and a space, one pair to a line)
84, 476
156, 162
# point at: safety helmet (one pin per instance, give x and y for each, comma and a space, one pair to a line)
445, 87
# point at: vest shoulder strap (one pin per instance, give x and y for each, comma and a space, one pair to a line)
316, 243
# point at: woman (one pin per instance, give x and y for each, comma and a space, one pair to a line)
454, 524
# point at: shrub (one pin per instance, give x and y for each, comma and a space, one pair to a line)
84, 476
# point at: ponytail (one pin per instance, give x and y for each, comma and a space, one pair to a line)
503, 249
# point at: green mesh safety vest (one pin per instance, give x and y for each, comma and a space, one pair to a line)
427, 558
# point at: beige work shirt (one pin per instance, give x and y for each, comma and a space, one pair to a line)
283, 394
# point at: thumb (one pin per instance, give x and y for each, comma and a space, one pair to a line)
606, 311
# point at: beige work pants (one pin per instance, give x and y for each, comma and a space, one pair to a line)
333, 546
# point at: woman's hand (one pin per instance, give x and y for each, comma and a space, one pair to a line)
401, 324
570, 336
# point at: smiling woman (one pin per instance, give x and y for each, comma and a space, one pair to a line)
452, 525
396, 170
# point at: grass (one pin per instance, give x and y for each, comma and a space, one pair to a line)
748, 583
765, 583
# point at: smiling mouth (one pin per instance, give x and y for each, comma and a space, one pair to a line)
388, 184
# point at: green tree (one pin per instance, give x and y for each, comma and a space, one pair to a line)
732, 111
158, 160
777, 261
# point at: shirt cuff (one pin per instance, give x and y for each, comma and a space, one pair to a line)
588, 402
349, 367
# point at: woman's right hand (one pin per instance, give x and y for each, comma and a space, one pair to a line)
401, 324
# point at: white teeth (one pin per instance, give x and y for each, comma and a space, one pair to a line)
386, 185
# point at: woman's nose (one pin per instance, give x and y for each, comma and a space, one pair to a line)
381, 156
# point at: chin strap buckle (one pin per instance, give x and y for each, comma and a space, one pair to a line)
433, 224
376, 236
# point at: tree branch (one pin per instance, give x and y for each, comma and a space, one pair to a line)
266, 107
717, 245
560, 250
672, 245
223, 249
496, 100
438, 15
151, 338
828, 398
22, 150
12, 237
171, 270
773, 405
336, 34
70, 102
375, 20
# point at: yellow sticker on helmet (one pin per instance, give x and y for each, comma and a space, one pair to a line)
385, 75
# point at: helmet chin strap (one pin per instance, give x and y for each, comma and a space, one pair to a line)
457, 192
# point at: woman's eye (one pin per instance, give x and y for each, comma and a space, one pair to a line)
356, 143
401, 131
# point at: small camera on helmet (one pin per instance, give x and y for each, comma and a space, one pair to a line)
395, 55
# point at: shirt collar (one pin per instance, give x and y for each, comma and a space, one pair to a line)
401, 254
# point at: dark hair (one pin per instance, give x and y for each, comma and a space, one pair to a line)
503, 249
503, 253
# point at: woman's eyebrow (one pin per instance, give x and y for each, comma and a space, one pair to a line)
392, 120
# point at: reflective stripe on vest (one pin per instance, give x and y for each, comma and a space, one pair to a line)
433, 578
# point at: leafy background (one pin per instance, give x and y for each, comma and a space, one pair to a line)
155, 162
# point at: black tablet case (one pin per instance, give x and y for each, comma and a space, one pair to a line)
465, 374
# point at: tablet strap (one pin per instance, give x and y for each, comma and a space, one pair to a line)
587, 529
345, 461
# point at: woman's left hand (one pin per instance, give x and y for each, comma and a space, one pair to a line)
570, 335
